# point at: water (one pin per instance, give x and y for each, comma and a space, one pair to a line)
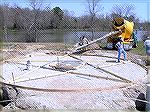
67, 37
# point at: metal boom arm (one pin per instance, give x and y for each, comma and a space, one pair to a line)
94, 41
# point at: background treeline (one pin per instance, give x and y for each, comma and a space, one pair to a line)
36, 18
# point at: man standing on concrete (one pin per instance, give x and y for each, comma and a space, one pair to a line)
120, 48
147, 46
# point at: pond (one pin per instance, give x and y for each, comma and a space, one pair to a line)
67, 37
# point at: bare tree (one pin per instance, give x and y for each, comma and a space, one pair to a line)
93, 9
36, 7
6, 22
1, 18
29, 19
16, 18
124, 10
46, 18
69, 21
1, 24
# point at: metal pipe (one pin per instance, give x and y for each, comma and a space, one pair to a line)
94, 41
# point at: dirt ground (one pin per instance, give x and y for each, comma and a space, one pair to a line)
21, 49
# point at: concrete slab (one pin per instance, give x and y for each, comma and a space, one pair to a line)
104, 93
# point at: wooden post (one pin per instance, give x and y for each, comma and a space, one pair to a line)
13, 78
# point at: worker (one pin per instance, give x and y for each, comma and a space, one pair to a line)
120, 48
147, 45
134, 36
83, 40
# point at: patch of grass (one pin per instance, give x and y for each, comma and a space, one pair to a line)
140, 50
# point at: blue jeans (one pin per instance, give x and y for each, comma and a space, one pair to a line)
119, 54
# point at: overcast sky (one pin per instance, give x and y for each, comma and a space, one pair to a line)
79, 7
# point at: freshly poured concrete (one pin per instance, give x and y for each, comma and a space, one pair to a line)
96, 93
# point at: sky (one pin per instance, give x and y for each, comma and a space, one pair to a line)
79, 7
